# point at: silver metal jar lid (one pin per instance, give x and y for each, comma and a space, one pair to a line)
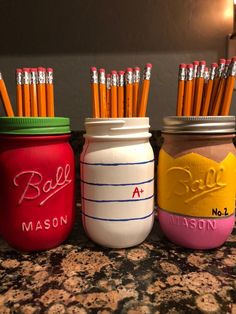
199, 124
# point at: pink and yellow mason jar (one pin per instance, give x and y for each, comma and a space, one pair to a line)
197, 180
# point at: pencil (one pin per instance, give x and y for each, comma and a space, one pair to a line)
188, 89
50, 92
108, 94
95, 94
145, 90
5, 98
217, 104
199, 88
128, 92
26, 91
102, 93
33, 92
195, 71
114, 84
19, 106
206, 80
180, 92
219, 71
121, 83
229, 87
41, 92
136, 80
207, 98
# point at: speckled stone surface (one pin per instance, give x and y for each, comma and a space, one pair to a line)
154, 277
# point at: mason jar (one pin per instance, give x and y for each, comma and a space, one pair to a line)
197, 180
117, 181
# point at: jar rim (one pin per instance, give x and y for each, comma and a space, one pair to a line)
34, 125
199, 124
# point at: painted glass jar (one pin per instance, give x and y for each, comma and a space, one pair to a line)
117, 181
37, 182
197, 180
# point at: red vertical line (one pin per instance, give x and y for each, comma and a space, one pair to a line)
136, 80
95, 92
102, 93
219, 72
199, 88
26, 91
33, 92
207, 98
217, 106
50, 92
114, 84
228, 93
19, 93
128, 92
121, 83
188, 89
195, 71
108, 94
180, 91
145, 90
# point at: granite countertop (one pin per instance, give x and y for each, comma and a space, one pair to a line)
154, 277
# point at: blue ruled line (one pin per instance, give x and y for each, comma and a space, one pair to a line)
114, 201
119, 219
116, 184
117, 164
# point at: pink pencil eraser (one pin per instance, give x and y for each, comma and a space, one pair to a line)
129, 70
189, 66
136, 68
182, 66
92, 69
42, 69
228, 61
222, 61
18, 70
196, 62
33, 69
206, 69
202, 62
108, 75
102, 70
214, 65
113, 72
233, 59
148, 65
49, 70
121, 72
26, 69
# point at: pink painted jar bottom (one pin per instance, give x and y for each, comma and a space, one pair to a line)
195, 233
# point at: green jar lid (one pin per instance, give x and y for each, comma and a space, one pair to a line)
34, 125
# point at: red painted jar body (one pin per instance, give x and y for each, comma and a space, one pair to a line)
36, 190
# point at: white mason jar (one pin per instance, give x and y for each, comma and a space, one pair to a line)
117, 181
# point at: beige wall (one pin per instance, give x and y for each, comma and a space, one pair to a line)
72, 35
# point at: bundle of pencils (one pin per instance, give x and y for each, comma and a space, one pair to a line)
120, 94
35, 92
204, 91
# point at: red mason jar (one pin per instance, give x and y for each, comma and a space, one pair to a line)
37, 182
